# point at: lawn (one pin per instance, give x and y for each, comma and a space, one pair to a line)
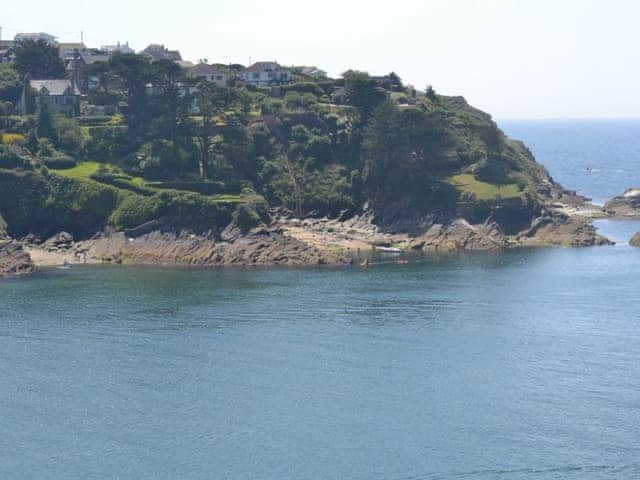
468, 183
82, 170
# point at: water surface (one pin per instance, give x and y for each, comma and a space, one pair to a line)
519, 365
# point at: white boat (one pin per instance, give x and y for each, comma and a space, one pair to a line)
389, 249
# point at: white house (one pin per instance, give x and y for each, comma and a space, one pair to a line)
211, 73
266, 73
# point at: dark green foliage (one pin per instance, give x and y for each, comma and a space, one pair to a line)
253, 212
44, 123
45, 205
107, 144
10, 84
39, 60
13, 157
363, 92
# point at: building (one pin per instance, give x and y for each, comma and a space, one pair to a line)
117, 48
69, 50
210, 73
45, 37
313, 72
265, 73
159, 52
62, 96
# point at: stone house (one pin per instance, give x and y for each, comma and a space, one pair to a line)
62, 96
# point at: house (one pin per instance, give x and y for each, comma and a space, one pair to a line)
117, 48
313, 72
62, 96
266, 73
45, 37
160, 52
68, 50
211, 73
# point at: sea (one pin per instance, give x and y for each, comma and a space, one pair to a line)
516, 365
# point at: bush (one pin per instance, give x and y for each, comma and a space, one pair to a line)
12, 157
14, 139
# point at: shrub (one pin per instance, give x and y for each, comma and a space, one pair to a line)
14, 139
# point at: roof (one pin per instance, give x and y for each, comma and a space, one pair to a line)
264, 66
206, 69
7, 43
72, 46
54, 87
90, 58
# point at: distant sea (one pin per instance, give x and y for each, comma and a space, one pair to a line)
518, 365
598, 158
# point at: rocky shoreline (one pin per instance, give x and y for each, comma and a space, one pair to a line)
314, 241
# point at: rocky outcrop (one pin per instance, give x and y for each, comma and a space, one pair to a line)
62, 242
258, 247
13, 259
626, 205
562, 230
460, 235
635, 241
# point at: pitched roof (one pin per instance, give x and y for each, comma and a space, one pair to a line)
54, 87
264, 66
90, 58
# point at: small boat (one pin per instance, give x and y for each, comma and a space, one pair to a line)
389, 249
65, 265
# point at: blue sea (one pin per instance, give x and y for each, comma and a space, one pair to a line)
518, 365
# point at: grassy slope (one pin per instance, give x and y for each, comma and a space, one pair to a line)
467, 183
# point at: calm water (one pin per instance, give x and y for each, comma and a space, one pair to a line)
524, 365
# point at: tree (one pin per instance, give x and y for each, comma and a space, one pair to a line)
10, 84
39, 60
133, 73
169, 104
430, 93
213, 102
363, 92
45, 127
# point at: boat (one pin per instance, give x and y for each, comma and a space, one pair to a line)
389, 249
65, 266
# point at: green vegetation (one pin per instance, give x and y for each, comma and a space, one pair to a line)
468, 184
196, 155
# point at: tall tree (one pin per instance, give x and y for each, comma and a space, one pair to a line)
363, 92
213, 103
133, 73
39, 60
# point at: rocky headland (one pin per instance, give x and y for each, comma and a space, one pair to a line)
626, 205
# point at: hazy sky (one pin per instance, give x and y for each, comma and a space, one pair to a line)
513, 58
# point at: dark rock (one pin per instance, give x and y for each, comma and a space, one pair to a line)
13, 259
61, 242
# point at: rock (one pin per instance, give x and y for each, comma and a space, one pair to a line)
635, 241
13, 259
461, 235
231, 233
261, 247
562, 230
626, 205
62, 241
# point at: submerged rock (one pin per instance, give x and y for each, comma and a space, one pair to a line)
13, 259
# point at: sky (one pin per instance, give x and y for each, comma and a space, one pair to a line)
511, 58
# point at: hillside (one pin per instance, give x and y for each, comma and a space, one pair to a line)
194, 156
